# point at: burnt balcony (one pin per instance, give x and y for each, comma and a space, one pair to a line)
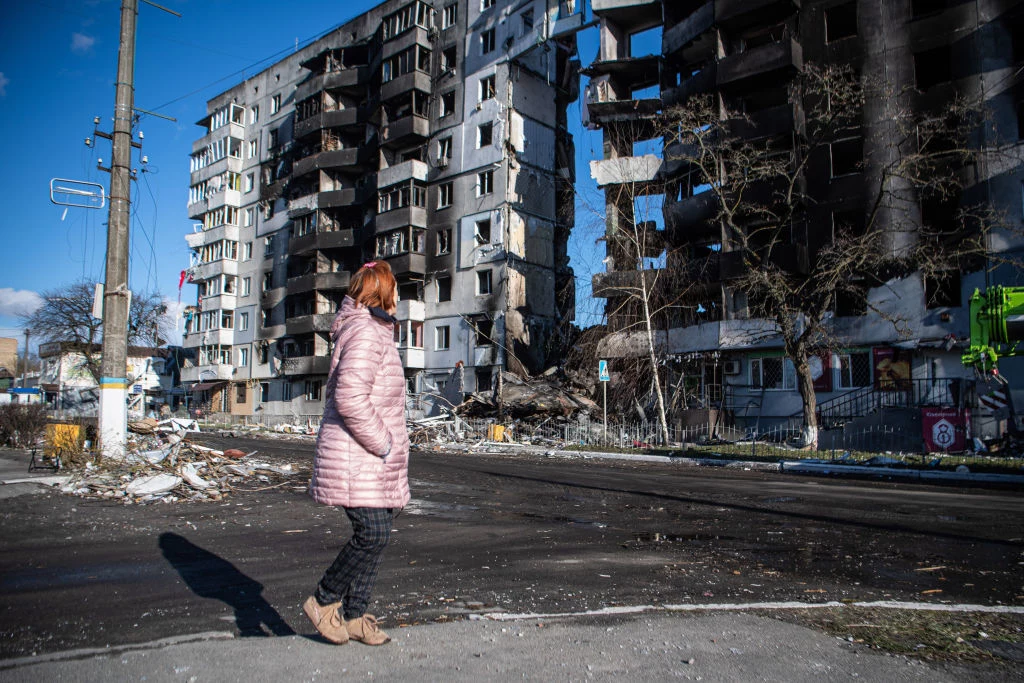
414, 80
691, 217
736, 14
272, 297
273, 190
417, 35
338, 118
397, 173
407, 264
337, 280
770, 122
397, 218
602, 112
783, 57
306, 365
353, 158
618, 283
702, 82
307, 324
408, 129
353, 80
321, 240
631, 15
329, 199
689, 30
635, 70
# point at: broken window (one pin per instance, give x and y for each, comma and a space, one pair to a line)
527, 21
444, 151
483, 282
487, 88
840, 22
444, 196
448, 103
943, 290
486, 4
275, 104
847, 224
482, 231
487, 41
448, 57
484, 380
313, 389
442, 337
846, 156
444, 241
485, 183
448, 16
933, 66
243, 362
444, 288
484, 328
484, 134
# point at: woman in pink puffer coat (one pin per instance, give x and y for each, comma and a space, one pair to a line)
362, 453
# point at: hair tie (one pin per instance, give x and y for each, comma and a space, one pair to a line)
369, 264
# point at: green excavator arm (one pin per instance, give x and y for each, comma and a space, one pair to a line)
997, 328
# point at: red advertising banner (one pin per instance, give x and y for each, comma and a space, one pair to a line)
945, 429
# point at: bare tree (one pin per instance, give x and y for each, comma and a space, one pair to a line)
757, 184
66, 316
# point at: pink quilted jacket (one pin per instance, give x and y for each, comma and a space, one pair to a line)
364, 413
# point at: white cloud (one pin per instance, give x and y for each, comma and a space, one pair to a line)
3, 84
81, 43
18, 301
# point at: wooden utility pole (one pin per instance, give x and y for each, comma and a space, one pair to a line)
113, 411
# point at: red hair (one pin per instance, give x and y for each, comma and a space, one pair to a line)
374, 285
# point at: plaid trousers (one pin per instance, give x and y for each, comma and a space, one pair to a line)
351, 576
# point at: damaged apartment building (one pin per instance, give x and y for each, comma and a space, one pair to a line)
431, 135
655, 54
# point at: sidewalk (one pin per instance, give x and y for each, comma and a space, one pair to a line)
714, 647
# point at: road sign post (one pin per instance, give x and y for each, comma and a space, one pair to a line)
602, 374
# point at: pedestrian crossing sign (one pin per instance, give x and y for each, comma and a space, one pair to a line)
602, 371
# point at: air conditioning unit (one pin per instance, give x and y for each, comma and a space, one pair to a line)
731, 367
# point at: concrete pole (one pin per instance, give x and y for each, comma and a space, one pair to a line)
113, 416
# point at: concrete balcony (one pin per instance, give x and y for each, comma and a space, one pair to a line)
205, 271
783, 57
230, 130
407, 170
691, 217
485, 355
735, 14
566, 24
689, 30
207, 373
352, 158
405, 130
307, 324
218, 337
408, 264
625, 170
417, 35
704, 81
214, 303
414, 80
410, 309
398, 218
326, 200
319, 241
318, 281
352, 79
412, 357
198, 208
233, 164
271, 298
221, 232
307, 365
612, 111
339, 118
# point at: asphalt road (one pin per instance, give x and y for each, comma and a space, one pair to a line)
520, 534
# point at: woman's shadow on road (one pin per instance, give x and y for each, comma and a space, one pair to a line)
211, 576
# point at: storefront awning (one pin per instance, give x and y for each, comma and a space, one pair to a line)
204, 386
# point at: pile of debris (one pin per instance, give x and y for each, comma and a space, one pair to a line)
162, 465
535, 397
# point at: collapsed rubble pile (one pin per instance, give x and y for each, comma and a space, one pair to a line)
162, 465
536, 397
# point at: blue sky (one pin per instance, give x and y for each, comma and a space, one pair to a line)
58, 61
